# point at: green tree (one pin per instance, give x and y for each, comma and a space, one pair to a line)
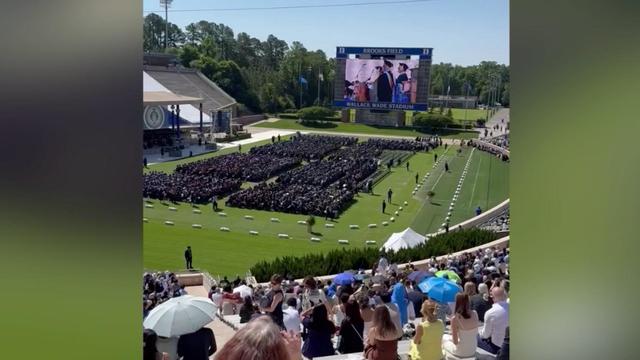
188, 54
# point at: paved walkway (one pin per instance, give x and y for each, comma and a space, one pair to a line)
500, 118
221, 331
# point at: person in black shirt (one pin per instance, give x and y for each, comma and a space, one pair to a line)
384, 206
351, 329
389, 193
275, 300
247, 310
198, 345
416, 178
188, 256
435, 157
385, 83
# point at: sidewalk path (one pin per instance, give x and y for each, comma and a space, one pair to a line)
497, 119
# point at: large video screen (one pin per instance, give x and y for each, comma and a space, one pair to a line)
381, 80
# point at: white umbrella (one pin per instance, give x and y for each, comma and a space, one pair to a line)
180, 315
243, 290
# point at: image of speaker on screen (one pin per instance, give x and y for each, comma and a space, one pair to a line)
402, 88
380, 80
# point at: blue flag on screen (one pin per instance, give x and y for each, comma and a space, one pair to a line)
303, 81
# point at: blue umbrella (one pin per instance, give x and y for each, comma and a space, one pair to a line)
418, 275
440, 289
343, 279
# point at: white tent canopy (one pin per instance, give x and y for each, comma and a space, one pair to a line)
405, 239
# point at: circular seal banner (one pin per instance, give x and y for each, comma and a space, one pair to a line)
153, 117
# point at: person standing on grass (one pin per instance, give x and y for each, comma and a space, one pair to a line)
416, 178
384, 206
446, 166
188, 257
435, 157
214, 203
389, 193
239, 147
407, 166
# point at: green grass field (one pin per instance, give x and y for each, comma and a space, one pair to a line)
472, 114
353, 128
230, 253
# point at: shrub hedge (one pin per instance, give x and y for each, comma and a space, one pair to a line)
337, 261
316, 113
428, 120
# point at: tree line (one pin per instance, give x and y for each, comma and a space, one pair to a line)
264, 76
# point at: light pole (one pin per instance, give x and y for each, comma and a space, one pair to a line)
466, 100
320, 78
166, 4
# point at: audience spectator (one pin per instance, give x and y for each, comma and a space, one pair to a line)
149, 350
318, 330
198, 345
492, 334
366, 312
261, 339
416, 297
382, 340
275, 298
394, 312
426, 342
351, 329
312, 296
247, 310
464, 329
480, 302
291, 316
399, 298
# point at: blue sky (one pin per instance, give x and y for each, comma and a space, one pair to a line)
462, 32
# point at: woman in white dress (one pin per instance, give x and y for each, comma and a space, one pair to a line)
464, 330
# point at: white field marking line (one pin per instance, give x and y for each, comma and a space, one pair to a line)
475, 182
442, 173
466, 162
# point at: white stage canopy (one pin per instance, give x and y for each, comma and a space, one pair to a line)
403, 240
190, 113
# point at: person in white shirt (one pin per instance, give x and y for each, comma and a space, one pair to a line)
383, 265
496, 320
291, 317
